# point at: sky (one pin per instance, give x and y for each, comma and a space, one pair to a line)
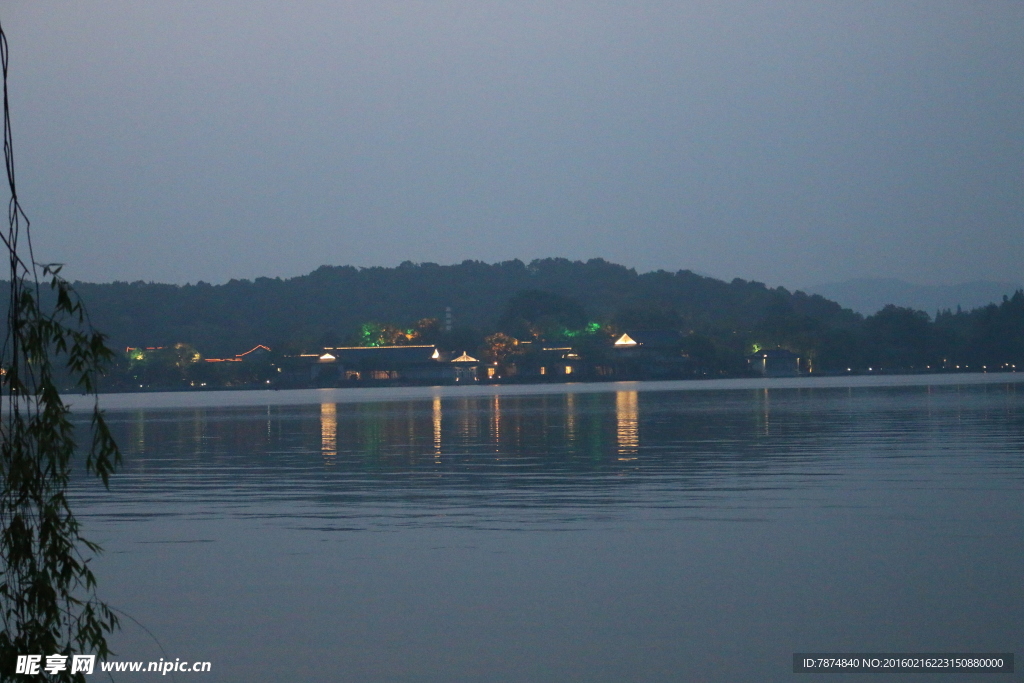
789, 143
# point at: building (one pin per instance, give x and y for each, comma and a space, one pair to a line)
465, 368
542, 361
650, 354
419, 364
256, 353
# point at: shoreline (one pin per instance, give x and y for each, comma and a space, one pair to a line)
170, 400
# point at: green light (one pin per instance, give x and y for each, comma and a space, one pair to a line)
369, 333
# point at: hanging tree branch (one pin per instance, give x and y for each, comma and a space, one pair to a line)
48, 602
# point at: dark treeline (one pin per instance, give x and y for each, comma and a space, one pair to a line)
330, 305
720, 322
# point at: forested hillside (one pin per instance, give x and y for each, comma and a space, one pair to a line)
329, 305
583, 303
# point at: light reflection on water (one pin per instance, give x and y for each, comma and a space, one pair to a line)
641, 449
328, 431
811, 507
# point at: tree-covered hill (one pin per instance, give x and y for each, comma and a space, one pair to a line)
328, 305
581, 303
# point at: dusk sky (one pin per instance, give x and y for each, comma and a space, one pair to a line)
791, 143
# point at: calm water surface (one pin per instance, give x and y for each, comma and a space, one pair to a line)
605, 536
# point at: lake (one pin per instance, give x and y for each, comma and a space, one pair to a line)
672, 531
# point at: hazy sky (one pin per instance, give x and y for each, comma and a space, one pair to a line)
791, 143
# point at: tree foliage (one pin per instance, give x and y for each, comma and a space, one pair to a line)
537, 314
296, 314
48, 601
557, 300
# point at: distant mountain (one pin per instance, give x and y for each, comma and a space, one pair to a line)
329, 306
867, 296
575, 303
